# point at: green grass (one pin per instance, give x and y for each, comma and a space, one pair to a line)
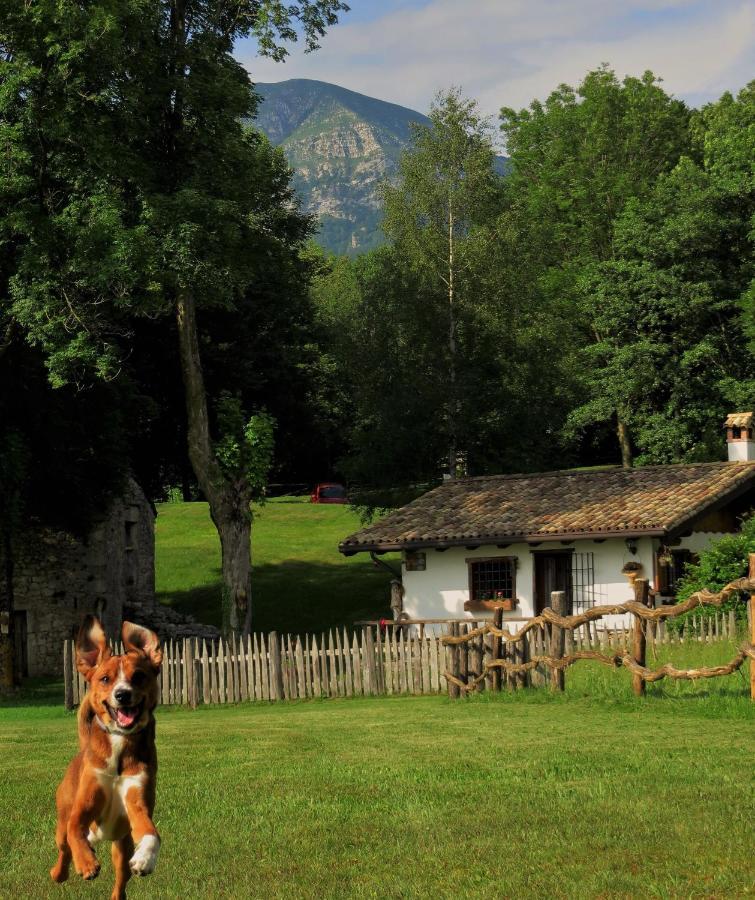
525, 795
301, 583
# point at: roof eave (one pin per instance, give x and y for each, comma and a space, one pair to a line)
486, 540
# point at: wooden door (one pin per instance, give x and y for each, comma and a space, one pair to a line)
552, 573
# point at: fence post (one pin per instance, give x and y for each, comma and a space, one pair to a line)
475, 658
751, 574
558, 638
496, 648
68, 674
641, 592
452, 661
369, 650
276, 674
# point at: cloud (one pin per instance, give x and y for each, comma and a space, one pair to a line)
507, 52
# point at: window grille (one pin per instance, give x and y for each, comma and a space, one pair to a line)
493, 579
583, 582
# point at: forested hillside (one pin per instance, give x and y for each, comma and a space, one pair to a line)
593, 306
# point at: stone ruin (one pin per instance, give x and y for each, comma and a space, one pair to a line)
59, 578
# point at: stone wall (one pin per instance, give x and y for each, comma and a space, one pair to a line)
58, 579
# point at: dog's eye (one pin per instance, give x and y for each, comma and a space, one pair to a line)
105, 679
137, 678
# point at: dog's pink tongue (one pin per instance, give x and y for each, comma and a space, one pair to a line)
126, 716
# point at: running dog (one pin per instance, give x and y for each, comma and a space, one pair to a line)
108, 790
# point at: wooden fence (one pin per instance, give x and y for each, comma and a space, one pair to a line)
542, 650
469, 657
288, 667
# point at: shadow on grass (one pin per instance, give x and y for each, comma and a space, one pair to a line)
296, 597
34, 692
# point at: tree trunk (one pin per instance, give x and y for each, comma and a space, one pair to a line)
7, 636
229, 501
453, 410
625, 443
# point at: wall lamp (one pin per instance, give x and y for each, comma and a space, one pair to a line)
631, 545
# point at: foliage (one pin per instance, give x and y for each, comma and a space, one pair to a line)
665, 318
245, 447
724, 561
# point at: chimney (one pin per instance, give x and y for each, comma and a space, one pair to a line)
739, 437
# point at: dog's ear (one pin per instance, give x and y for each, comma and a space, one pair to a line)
91, 646
141, 639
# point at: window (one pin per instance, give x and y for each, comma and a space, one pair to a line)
671, 569
492, 579
583, 581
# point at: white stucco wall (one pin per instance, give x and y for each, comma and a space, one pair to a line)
441, 590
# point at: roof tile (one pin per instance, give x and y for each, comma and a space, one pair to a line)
646, 500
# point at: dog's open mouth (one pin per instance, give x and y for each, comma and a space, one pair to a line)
125, 716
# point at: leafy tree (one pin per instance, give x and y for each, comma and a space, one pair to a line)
575, 162
134, 191
666, 352
447, 186
63, 456
724, 133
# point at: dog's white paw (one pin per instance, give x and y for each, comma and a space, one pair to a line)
144, 860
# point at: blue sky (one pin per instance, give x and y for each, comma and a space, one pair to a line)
507, 52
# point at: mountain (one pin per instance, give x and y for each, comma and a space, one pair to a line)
341, 145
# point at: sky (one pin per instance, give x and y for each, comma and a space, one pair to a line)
508, 52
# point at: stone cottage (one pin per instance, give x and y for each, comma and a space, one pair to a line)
59, 578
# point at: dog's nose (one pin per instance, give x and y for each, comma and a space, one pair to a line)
123, 696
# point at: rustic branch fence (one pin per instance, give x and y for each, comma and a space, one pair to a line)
541, 651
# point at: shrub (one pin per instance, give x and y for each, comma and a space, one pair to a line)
724, 561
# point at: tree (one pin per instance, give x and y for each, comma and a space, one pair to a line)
135, 190
447, 186
576, 160
724, 133
666, 311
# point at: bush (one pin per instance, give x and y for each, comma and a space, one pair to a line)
724, 561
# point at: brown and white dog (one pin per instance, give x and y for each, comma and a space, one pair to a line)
108, 790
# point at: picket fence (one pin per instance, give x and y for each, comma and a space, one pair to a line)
363, 662
287, 667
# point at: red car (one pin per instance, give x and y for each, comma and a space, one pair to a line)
329, 492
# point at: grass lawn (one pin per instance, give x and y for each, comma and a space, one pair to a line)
300, 583
525, 795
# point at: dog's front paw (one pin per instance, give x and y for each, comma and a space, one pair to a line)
89, 869
144, 860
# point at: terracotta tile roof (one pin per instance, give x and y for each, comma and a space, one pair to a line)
651, 500
738, 420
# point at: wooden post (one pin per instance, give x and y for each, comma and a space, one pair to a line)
475, 658
751, 574
641, 591
452, 660
369, 649
68, 674
276, 674
558, 640
496, 648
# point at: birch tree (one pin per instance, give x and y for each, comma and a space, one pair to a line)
446, 186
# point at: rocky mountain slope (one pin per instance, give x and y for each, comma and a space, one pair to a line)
341, 145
